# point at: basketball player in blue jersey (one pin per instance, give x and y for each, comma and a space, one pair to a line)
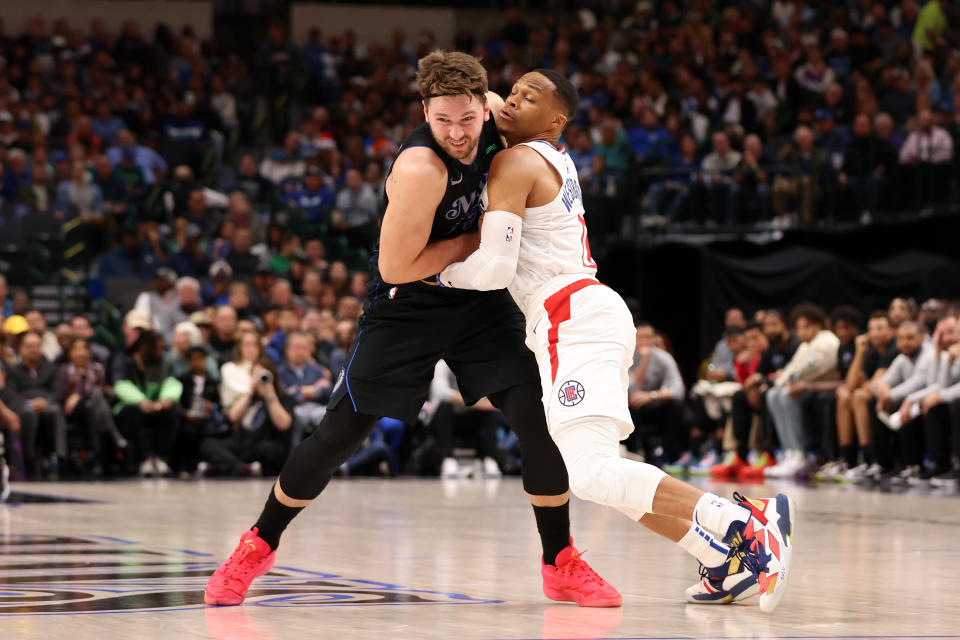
410, 323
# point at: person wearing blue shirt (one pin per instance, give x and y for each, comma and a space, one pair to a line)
106, 124
316, 200
130, 258
152, 163
650, 141
306, 382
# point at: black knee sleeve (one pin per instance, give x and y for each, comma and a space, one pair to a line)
315, 460
544, 473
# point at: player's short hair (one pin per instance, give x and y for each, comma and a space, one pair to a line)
564, 90
451, 73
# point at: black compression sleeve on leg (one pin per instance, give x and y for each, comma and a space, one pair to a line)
315, 460
544, 473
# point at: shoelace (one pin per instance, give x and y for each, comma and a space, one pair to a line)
580, 569
241, 562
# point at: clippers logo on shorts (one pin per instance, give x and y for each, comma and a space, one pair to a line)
509, 234
571, 393
392, 293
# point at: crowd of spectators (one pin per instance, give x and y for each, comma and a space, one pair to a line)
808, 395
228, 201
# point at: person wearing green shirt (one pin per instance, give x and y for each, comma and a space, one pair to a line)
931, 23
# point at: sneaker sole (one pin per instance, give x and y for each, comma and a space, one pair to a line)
569, 595
749, 592
787, 511
231, 602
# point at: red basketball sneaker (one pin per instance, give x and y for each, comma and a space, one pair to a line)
229, 583
572, 580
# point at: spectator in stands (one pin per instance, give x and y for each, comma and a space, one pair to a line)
315, 200
84, 135
306, 383
753, 179
241, 260
249, 180
83, 382
217, 293
722, 360
656, 397
284, 165
875, 352
159, 303
16, 175
359, 210
800, 189
928, 34
199, 213
11, 406
191, 260
37, 381
82, 194
942, 424
105, 124
147, 395
240, 301
131, 258
722, 191
152, 165
223, 338
902, 310
906, 374
927, 156
175, 360
867, 163
815, 360
199, 409
49, 345
80, 327
241, 213
258, 412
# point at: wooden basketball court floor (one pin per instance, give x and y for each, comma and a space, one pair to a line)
459, 560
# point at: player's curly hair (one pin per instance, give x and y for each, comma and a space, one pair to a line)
451, 73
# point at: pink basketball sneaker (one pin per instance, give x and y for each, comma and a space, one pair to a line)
572, 580
229, 583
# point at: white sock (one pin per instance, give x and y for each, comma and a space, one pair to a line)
716, 514
704, 547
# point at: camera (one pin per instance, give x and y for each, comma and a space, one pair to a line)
265, 378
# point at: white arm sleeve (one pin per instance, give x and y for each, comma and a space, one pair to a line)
494, 264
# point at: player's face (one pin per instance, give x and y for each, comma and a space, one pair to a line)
530, 109
456, 122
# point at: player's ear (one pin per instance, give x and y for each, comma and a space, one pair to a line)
486, 110
424, 103
560, 120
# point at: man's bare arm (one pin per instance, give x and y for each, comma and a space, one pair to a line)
415, 187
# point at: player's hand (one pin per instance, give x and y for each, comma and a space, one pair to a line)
862, 342
930, 402
638, 399
146, 406
645, 351
954, 352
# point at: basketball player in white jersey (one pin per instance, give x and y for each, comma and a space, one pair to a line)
533, 241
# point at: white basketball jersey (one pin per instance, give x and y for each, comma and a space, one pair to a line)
553, 244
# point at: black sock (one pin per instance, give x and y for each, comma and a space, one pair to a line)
553, 523
274, 519
849, 453
869, 454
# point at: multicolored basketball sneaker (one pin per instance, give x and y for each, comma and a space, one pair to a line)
766, 535
251, 559
573, 580
734, 580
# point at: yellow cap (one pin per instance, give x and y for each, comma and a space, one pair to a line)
15, 325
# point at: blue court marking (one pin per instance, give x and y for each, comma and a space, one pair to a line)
112, 539
188, 552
